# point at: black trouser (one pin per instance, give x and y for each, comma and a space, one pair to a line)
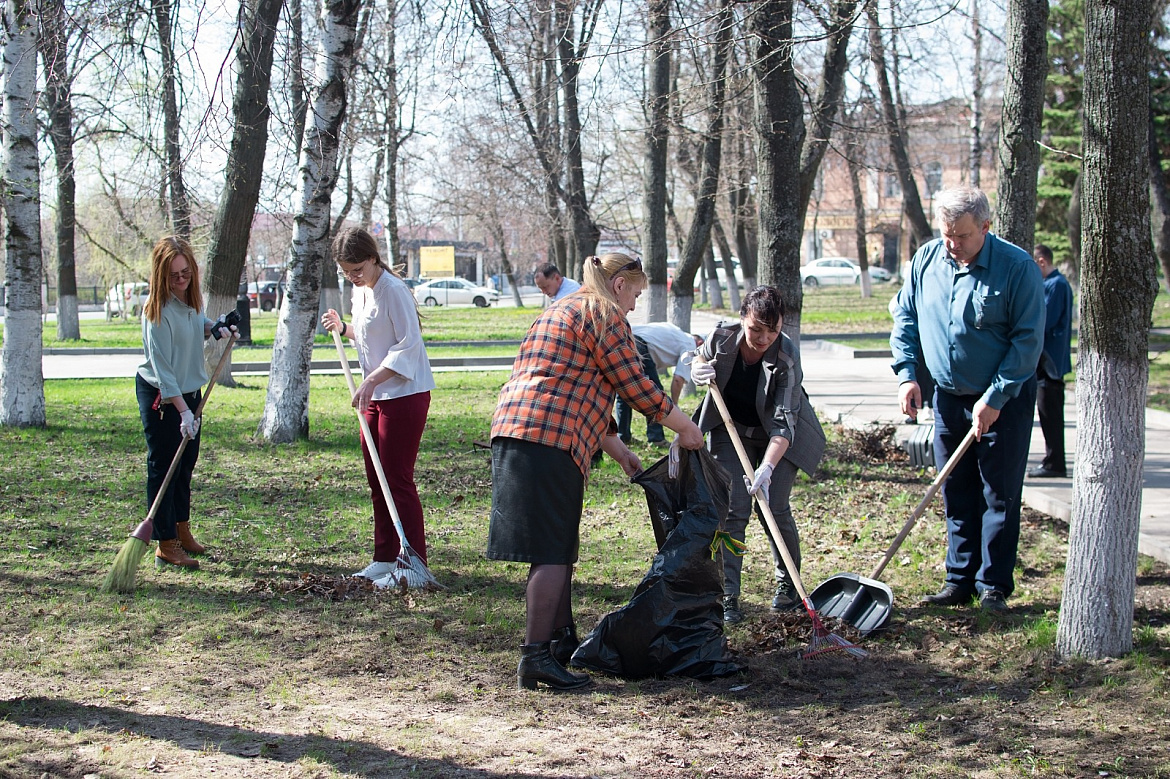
1050, 405
654, 431
162, 441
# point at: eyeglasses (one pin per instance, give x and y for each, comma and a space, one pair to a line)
353, 273
180, 276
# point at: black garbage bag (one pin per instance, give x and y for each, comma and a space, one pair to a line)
673, 625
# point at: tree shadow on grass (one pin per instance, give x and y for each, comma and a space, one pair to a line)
353, 757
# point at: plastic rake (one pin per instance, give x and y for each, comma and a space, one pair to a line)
823, 641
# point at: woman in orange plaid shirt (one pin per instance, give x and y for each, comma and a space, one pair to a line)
554, 412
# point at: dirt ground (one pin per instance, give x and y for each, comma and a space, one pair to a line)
319, 677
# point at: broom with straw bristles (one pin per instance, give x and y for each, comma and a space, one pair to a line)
125, 570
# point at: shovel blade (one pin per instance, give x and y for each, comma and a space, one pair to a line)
865, 604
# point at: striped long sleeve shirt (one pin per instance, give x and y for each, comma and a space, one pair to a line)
570, 366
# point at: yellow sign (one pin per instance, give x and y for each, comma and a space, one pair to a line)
436, 261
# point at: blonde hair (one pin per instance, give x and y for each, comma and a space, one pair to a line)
162, 256
599, 273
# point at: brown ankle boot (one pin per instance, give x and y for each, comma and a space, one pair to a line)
171, 551
190, 545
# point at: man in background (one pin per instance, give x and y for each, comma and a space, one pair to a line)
662, 346
552, 283
1055, 362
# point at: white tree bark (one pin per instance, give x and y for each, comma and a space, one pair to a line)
1118, 286
286, 408
22, 385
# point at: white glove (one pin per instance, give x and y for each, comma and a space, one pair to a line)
224, 332
672, 460
702, 373
188, 424
761, 482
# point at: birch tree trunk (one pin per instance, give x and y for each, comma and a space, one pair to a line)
180, 207
286, 408
22, 384
54, 46
1118, 286
654, 246
1023, 112
976, 159
232, 225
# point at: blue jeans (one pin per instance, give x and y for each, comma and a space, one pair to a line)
654, 431
983, 494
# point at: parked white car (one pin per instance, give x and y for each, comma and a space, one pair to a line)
830, 270
443, 292
838, 270
127, 299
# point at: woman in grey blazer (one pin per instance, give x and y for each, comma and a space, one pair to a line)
757, 370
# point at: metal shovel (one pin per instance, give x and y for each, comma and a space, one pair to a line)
866, 603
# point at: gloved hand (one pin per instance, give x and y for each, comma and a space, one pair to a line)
702, 373
672, 460
188, 424
226, 332
761, 481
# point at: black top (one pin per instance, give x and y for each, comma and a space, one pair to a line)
740, 392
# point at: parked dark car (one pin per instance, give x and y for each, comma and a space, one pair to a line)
264, 295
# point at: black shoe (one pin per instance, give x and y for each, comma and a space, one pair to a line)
785, 598
538, 665
950, 595
564, 644
1044, 472
993, 600
731, 612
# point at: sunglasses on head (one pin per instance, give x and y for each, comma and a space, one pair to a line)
631, 265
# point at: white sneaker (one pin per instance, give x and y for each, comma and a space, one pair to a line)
375, 570
390, 580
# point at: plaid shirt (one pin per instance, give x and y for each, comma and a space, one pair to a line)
570, 366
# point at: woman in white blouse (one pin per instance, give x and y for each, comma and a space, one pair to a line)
395, 392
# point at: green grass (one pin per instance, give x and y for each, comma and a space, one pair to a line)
242, 655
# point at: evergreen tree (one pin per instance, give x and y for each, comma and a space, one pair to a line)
1059, 169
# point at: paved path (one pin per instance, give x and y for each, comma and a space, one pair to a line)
845, 389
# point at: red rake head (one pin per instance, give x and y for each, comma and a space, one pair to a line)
823, 641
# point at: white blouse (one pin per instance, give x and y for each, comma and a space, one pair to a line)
386, 332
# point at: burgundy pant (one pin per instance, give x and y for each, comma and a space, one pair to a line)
397, 426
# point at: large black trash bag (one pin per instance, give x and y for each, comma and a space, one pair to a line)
673, 625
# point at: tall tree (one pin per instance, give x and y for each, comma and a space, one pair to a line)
976, 158
1058, 188
1023, 111
895, 131
243, 174
1118, 286
22, 384
164, 18
657, 112
697, 247
58, 97
782, 143
571, 50
286, 407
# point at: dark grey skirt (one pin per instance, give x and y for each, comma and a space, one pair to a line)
537, 496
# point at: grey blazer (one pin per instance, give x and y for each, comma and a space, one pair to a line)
781, 402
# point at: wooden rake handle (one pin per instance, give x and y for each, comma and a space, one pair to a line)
935, 486
746, 463
369, 439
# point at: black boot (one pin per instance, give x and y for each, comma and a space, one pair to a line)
538, 665
564, 644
